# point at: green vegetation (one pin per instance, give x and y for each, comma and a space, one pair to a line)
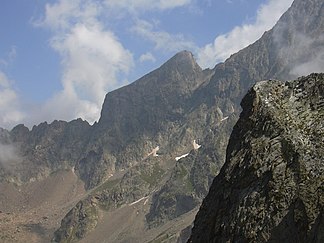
182, 171
153, 177
107, 185
213, 169
163, 237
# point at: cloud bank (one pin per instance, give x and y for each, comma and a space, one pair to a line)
241, 36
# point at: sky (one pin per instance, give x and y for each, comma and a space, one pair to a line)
59, 58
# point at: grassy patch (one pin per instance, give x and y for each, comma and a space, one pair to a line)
153, 177
213, 170
163, 237
107, 185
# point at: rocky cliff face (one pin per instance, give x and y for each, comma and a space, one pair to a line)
270, 188
43, 150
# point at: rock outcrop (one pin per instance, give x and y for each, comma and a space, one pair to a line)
78, 222
270, 188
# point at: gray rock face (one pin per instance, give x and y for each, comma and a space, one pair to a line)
78, 222
270, 188
44, 149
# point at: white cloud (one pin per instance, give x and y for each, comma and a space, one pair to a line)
241, 36
148, 56
10, 113
64, 13
162, 40
92, 59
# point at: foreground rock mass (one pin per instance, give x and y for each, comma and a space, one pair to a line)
270, 188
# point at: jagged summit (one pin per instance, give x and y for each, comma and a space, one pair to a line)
183, 60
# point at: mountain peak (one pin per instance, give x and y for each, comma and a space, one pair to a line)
183, 60
183, 55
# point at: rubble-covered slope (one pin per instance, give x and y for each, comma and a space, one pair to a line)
270, 188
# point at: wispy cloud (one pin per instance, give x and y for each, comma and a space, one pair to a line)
303, 53
10, 109
9, 157
299, 42
162, 40
241, 36
148, 56
314, 64
10, 57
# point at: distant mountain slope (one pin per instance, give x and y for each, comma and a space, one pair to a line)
270, 188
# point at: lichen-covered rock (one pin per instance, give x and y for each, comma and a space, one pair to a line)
78, 222
271, 186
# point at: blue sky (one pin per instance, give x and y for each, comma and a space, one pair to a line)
58, 58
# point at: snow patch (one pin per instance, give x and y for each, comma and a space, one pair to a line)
224, 119
146, 201
154, 152
220, 113
182, 156
133, 203
232, 110
195, 145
